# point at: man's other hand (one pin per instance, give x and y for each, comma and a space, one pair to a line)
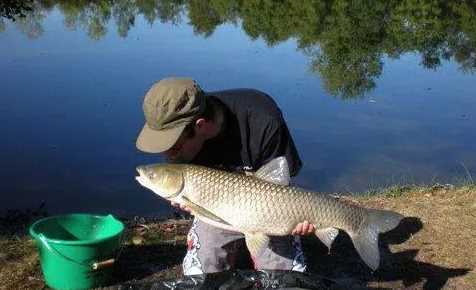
181, 206
304, 228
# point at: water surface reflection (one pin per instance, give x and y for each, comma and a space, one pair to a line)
346, 41
374, 93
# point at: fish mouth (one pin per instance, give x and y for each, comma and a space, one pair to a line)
142, 172
141, 177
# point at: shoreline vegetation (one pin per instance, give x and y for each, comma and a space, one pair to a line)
432, 248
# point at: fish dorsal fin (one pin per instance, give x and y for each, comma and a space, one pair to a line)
275, 171
200, 211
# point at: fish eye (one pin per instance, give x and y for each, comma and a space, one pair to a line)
152, 175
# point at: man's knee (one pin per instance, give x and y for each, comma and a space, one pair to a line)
283, 253
209, 249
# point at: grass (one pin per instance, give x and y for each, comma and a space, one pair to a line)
20, 267
433, 247
392, 191
398, 190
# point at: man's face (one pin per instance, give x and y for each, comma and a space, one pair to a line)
185, 149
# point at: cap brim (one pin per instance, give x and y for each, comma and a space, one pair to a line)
156, 141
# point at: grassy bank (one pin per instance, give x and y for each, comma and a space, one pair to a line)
433, 248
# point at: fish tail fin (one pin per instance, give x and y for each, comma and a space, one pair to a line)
366, 238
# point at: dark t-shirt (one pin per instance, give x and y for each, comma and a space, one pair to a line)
254, 133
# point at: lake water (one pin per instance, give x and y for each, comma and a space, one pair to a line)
374, 96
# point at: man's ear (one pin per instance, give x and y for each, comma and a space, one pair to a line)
204, 127
200, 123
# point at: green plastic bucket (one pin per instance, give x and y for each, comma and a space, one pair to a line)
77, 251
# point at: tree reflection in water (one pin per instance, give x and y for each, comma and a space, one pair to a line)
346, 41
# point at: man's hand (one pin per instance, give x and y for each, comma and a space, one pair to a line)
182, 207
304, 228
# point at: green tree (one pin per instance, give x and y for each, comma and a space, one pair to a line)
3, 25
124, 13
11, 9
170, 10
346, 41
277, 21
203, 17
92, 16
30, 23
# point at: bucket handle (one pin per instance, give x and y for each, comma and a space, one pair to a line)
103, 264
94, 266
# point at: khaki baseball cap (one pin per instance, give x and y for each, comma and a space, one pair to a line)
169, 106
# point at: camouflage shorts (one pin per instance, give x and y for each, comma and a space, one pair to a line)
211, 249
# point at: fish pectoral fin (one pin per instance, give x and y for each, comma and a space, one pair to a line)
256, 243
276, 171
327, 236
200, 211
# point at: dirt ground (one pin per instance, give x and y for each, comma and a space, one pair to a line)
434, 247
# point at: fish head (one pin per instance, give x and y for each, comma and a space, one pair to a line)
165, 180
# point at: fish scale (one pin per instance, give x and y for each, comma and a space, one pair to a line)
255, 201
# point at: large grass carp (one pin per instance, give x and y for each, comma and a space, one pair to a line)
263, 204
